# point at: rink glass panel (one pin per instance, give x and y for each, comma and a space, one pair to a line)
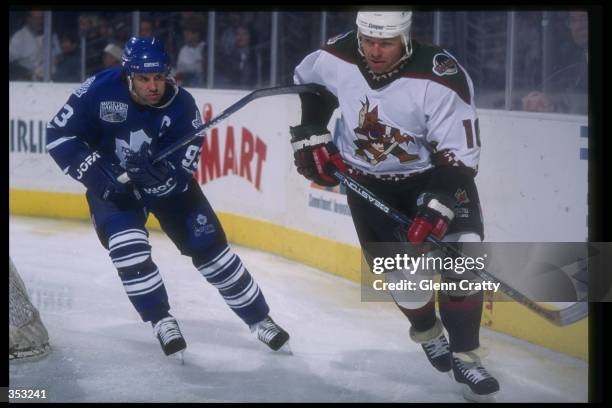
509, 54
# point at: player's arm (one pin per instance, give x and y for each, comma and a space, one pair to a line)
455, 149
172, 174
312, 142
70, 135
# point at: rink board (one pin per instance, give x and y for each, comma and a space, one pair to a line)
532, 184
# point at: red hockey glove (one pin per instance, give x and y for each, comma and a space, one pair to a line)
434, 215
313, 150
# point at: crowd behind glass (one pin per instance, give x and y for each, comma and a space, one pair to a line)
518, 60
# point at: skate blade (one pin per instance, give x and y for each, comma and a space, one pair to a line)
179, 356
469, 395
285, 349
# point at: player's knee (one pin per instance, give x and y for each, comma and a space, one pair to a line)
456, 282
219, 265
458, 288
130, 252
462, 237
409, 292
205, 234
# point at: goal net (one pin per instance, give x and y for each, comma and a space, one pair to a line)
28, 336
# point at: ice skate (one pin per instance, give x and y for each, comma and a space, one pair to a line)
170, 337
478, 384
271, 334
435, 345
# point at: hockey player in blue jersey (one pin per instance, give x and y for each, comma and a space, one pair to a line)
114, 123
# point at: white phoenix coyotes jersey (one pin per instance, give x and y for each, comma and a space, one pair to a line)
418, 116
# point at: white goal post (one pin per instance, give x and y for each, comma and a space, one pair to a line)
28, 336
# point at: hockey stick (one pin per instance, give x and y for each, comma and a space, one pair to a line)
258, 93
561, 317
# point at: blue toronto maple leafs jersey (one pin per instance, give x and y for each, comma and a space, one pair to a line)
101, 116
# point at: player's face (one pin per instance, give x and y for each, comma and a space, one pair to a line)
150, 88
381, 53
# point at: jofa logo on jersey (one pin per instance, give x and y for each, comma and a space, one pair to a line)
443, 64
113, 112
377, 140
85, 164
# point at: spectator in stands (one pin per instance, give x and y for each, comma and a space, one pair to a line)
122, 29
190, 61
94, 43
68, 63
147, 28
105, 30
528, 48
240, 68
112, 56
567, 87
192, 17
25, 49
228, 36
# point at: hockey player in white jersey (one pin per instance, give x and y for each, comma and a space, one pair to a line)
412, 138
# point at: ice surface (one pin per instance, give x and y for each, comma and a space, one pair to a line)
343, 350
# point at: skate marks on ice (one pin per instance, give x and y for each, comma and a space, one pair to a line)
343, 350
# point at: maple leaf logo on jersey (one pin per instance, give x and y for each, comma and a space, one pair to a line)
377, 140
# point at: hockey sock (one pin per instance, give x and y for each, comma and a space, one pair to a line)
131, 254
223, 269
461, 317
423, 318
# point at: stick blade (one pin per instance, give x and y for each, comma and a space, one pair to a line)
573, 313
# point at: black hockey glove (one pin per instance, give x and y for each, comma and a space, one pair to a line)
100, 177
313, 150
155, 180
434, 214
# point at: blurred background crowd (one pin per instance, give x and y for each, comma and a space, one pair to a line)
518, 60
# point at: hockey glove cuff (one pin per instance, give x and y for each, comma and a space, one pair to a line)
313, 152
100, 177
157, 180
434, 215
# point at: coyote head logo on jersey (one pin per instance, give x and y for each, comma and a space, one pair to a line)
376, 140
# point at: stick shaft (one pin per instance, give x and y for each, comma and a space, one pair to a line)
561, 317
256, 94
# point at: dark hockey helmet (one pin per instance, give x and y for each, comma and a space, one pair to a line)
144, 55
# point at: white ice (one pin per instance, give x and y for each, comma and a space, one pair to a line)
343, 349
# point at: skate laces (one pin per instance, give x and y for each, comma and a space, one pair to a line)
473, 371
266, 330
167, 330
437, 347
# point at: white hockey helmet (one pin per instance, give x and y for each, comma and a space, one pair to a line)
386, 24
